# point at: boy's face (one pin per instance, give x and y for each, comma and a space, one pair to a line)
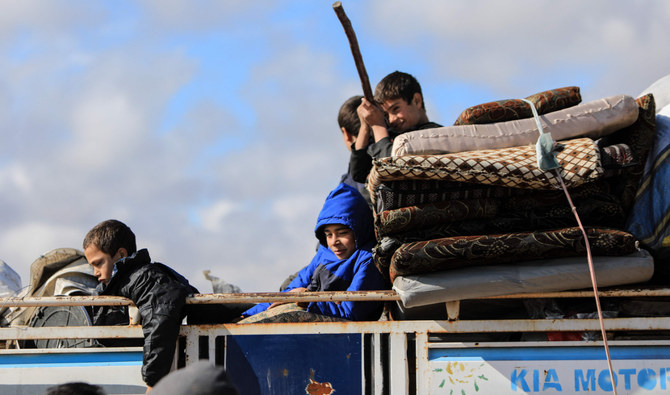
404, 116
103, 263
341, 240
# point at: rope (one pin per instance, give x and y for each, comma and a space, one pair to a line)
593, 280
549, 163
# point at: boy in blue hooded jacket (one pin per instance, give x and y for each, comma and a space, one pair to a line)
343, 261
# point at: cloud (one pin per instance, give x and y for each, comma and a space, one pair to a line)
213, 216
210, 127
34, 239
513, 47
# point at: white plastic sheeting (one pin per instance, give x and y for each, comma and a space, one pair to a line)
10, 281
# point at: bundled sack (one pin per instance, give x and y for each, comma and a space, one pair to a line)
649, 219
593, 119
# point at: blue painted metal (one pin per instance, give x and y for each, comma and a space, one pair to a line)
548, 353
71, 359
288, 364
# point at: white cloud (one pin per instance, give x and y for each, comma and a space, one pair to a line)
14, 178
213, 216
142, 114
24, 243
104, 125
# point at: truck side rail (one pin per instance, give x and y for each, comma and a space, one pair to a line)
453, 325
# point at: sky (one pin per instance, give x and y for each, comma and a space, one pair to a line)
210, 127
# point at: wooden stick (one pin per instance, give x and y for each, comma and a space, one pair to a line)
353, 43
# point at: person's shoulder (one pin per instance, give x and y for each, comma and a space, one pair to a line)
427, 125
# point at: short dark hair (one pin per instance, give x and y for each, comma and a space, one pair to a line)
397, 85
111, 235
75, 388
347, 118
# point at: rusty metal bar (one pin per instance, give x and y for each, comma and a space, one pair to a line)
102, 300
257, 297
632, 292
331, 296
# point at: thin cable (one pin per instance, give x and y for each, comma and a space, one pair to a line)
593, 280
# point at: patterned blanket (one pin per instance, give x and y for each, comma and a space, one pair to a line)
592, 211
425, 216
508, 167
462, 251
541, 211
391, 195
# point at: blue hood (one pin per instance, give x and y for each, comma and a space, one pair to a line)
346, 206
326, 272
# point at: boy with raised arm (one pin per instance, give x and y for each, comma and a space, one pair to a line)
398, 108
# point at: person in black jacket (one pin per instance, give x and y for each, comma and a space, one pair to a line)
158, 292
398, 108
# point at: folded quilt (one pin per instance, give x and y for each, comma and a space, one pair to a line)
514, 167
540, 211
424, 216
545, 275
593, 119
464, 251
592, 212
511, 109
391, 195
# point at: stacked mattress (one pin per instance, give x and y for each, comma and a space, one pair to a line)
464, 211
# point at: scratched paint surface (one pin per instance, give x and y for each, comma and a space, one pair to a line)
296, 364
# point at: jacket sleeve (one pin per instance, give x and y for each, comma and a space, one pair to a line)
381, 149
366, 277
160, 301
360, 164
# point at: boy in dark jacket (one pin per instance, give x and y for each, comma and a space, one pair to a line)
343, 261
158, 292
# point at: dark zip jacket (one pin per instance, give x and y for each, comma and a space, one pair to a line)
160, 296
